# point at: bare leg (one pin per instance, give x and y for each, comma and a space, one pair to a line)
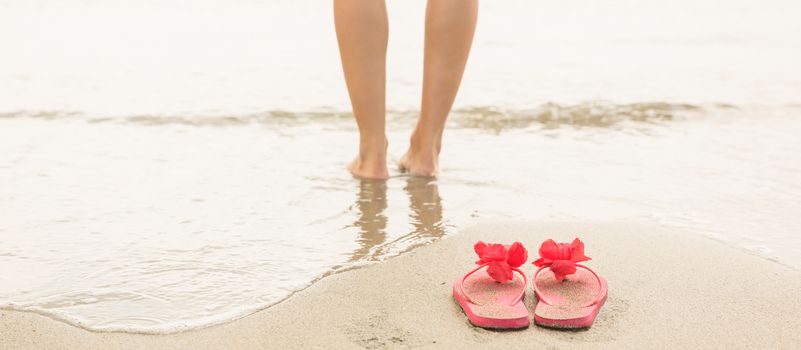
362, 32
450, 25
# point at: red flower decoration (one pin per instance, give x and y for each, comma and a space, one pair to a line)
561, 258
500, 259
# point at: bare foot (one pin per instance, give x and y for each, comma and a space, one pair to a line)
371, 163
420, 162
368, 169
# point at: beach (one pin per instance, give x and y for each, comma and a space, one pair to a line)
667, 290
173, 174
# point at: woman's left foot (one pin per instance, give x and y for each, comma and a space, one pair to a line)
369, 168
371, 163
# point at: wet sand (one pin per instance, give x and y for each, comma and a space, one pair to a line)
667, 290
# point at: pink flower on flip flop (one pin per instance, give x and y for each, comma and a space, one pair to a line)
501, 259
561, 258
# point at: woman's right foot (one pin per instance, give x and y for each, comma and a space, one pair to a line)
420, 161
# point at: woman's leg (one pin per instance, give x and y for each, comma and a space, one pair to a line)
362, 31
450, 25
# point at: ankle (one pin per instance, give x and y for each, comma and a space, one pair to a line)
373, 148
425, 146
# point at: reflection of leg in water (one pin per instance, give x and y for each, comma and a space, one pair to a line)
371, 222
425, 216
426, 210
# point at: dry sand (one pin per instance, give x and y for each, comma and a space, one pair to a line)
667, 289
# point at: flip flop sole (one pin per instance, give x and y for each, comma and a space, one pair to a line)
490, 307
568, 300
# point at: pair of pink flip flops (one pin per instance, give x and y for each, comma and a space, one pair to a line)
569, 294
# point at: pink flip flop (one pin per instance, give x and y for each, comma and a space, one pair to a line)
493, 298
566, 302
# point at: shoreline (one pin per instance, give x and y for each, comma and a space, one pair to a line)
187, 328
696, 292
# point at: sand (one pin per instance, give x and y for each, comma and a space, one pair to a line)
667, 289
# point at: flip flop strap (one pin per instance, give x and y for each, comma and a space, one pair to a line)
542, 298
514, 301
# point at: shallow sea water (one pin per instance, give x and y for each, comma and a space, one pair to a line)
156, 177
